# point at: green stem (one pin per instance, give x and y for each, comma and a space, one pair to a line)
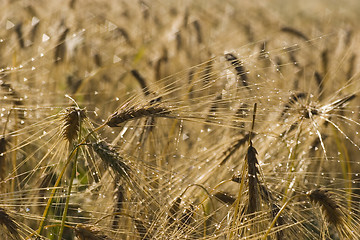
51, 198
48, 205
73, 173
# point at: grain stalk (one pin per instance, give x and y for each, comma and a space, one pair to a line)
252, 161
57, 183
72, 127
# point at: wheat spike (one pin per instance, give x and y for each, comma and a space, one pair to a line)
253, 179
120, 197
141, 229
19, 34
134, 113
294, 32
60, 49
141, 81
239, 68
72, 120
174, 209
328, 205
84, 232
225, 198
112, 158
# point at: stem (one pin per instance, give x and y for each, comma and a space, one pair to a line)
46, 211
13, 156
237, 202
243, 173
73, 173
345, 166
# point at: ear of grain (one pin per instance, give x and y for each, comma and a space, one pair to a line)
350, 71
19, 34
98, 60
141, 229
60, 49
239, 68
34, 31
225, 198
328, 205
133, 113
249, 31
122, 170
73, 82
72, 4
279, 221
120, 198
253, 179
197, 27
141, 81
174, 210
213, 108
325, 61
236, 178
178, 40
71, 125
319, 81
294, 32
342, 101
10, 224
157, 68
230, 151
112, 158
15, 96
188, 216
84, 232
125, 35
207, 75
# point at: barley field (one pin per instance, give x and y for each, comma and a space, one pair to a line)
155, 119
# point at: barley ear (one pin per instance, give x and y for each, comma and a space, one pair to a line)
71, 125
328, 205
10, 224
84, 232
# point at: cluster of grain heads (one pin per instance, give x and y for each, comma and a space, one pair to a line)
179, 158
